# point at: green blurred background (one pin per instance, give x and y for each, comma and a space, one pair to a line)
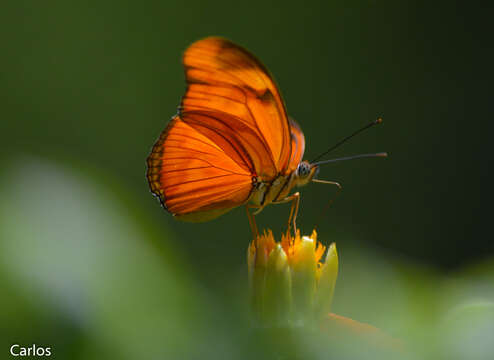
91, 265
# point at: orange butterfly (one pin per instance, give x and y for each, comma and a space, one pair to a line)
231, 142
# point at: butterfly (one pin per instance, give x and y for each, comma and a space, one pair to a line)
231, 142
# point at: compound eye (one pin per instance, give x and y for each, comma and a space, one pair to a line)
303, 169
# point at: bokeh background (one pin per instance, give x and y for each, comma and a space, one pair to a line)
93, 267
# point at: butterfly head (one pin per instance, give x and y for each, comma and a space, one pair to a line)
305, 172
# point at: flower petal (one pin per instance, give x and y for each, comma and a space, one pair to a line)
303, 272
327, 282
277, 290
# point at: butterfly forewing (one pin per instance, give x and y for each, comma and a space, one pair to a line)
225, 77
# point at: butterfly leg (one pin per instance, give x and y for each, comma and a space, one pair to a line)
252, 221
292, 219
295, 199
330, 201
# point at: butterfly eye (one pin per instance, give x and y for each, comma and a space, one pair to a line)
303, 169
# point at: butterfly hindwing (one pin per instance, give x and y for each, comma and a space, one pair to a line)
190, 173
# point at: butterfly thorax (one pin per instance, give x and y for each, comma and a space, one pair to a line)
279, 189
267, 192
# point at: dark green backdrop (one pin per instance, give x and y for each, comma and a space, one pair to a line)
97, 82
92, 84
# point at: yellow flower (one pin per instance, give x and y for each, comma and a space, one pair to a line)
289, 282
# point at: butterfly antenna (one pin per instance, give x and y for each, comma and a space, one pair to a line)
375, 122
359, 156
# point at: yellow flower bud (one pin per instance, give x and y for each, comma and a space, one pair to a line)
288, 283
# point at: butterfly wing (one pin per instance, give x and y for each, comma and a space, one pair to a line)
232, 126
234, 92
298, 145
193, 177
